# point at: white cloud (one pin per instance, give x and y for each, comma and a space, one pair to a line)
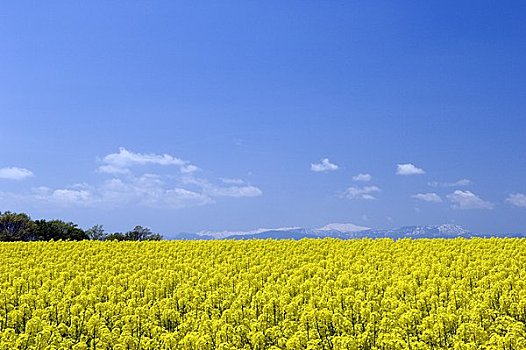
458, 183
62, 197
408, 169
232, 181
365, 192
126, 158
111, 169
180, 197
461, 182
235, 188
124, 188
428, 197
517, 199
71, 196
122, 161
150, 191
362, 177
324, 165
233, 191
468, 200
188, 169
14, 173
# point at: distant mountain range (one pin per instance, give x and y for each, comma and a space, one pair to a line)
342, 231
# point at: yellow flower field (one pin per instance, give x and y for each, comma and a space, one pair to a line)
308, 294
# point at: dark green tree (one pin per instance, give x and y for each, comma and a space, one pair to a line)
116, 236
58, 229
140, 233
16, 227
20, 227
96, 233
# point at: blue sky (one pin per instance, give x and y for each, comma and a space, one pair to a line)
207, 115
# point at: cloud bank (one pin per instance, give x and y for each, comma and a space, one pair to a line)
408, 169
323, 166
15, 173
122, 161
365, 192
362, 177
127, 185
458, 183
428, 197
517, 199
468, 200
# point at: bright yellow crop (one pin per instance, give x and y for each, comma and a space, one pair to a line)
309, 294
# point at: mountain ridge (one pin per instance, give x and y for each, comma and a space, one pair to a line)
343, 231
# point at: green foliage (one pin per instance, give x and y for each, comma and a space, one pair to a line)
16, 227
20, 227
96, 233
58, 229
140, 233
116, 236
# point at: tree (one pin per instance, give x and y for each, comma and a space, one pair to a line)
58, 229
140, 233
16, 227
20, 227
116, 236
96, 233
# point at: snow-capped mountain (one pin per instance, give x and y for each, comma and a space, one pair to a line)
343, 228
341, 231
225, 234
425, 231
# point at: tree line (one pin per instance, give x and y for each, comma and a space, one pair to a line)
20, 227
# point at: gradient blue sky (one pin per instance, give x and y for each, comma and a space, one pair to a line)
188, 116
